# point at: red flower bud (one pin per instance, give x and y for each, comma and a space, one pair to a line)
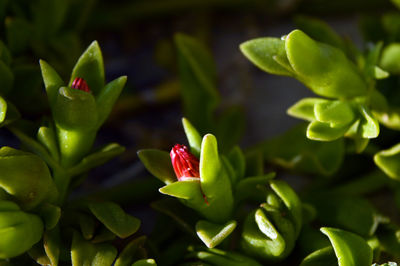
186, 165
80, 84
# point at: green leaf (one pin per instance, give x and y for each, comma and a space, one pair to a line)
347, 212
75, 110
18, 32
47, 137
107, 97
3, 109
193, 137
222, 257
322, 257
159, 164
324, 132
323, 68
379, 73
126, 257
186, 190
86, 253
230, 127
210, 164
26, 177
52, 81
389, 161
114, 218
50, 214
52, 244
87, 225
198, 82
90, 67
145, 262
19, 232
238, 162
336, 113
350, 249
213, 234
304, 109
369, 124
291, 201
5, 54
97, 158
293, 151
390, 58
247, 187
261, 52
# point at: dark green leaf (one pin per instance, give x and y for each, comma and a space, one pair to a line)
159, 164
213, 234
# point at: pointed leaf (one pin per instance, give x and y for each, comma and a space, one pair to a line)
52, 244
238, 162
187, 190
321, 257
247, 187
86, 253
114, 218
369, 125
126, 257
389, 161
108, 96
97, 158
145, 262
159, 164
291, 200
47, 137
192, 136
213, 234
90, 67
52, 81
304, 109
324, 132
350, 249
261, 52
210, 164
50, 214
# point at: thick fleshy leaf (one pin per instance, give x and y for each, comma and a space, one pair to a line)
107, 97
322, 257
350, 213
186, 190
336, 113
126, 257
75, 110
193, 137
222, 257
159, 164
350, 249
324, 132
293, 151
97, 158
47, 137
3, 109
145, 262
26, 177
390, 58
114, 218
52, 245
304, 109
19, 231
90, 67
87, 225
291, 201
198, 82
213, 234
85, 253
247, 187
210, 164
50, 214
52, 81
389, 161
390, 118
238, 162
262, 51
369, 124
323, 68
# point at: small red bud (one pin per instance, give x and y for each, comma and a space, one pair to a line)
186, 165
80, 84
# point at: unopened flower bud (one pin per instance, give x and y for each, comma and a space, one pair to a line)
80, 84
186, 165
